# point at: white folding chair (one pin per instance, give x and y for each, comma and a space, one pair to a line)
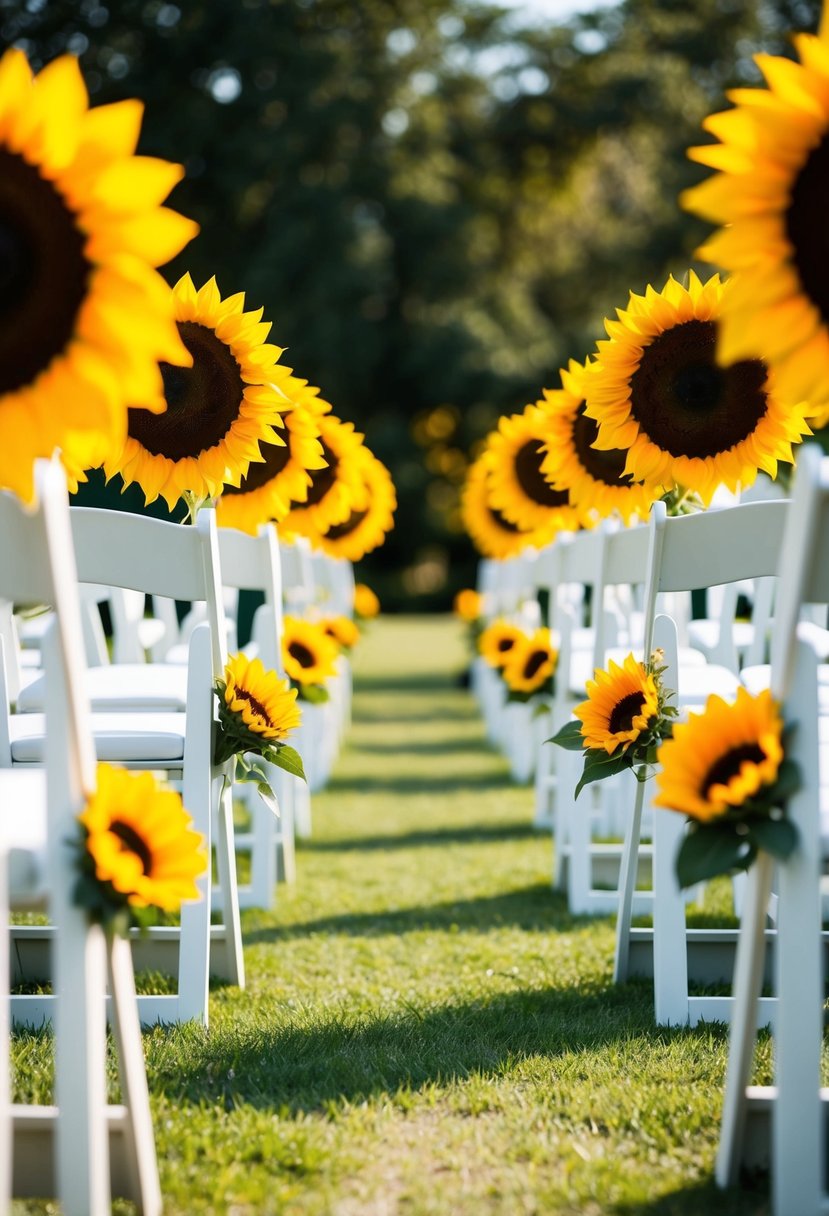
80, 1148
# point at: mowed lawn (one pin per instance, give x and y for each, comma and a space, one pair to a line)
425, 1028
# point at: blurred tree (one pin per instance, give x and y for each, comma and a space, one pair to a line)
435, 206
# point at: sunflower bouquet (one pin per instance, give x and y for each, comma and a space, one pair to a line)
726, 769
529, 668
622, 723
309, 656
138, 854
498, 640
342, 630
257, 711
366, 603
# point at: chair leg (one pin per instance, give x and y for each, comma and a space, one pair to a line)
194, 942
670, 950
226, 864
6, 1132
286, 869
263, 852
628, 873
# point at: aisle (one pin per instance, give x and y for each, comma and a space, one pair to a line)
425, 1030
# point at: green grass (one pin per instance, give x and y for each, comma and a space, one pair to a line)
425, 1029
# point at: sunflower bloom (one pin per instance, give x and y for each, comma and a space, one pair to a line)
309, 655
498, 640
366, 603
265, 703
343, 630
369, 521
517, 486
468, 605
86, 315
337, 487
141, 840
491, 532
218, 411
771, 170
530, 663
721, 757
658, 391
621, 704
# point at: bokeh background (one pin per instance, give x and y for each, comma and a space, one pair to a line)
435, 201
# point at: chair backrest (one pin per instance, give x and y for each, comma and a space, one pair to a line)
177, 561
253, 563
298, 585
335, 578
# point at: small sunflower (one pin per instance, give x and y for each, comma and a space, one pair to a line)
337, 487
264, 703
283, 474
768, 194
468, 605
595, 479
492, 533
218, 411
498, 641
621, 703
343, 630
658, 391
720, 758
530, 663
366, 527
366, 603
309, 655
517, 486
85, 316
141, 841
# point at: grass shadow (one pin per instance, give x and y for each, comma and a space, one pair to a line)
751, 1199
495, 833
420, 783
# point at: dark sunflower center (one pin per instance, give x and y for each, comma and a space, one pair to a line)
534, 663
805, 221
259, 474
607, 467
502, 521
688, 406
728, 766
351, 525
528, 461
133, 843
203, 401
505, 644
44, 273
322, 480
257, 706
625, 711
302, 654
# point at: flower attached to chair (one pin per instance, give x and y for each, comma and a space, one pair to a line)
86, 316
370, 519
343, 630
518, 487
467, 605
623, 721
530, 666
309, 656
138, 853
257, 712
498, 640
489, 529
726, 769
366, 603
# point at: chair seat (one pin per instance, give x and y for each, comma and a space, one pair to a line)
123, 737
23, 834
123, 686
705, 634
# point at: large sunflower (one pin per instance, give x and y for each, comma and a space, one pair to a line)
141, 840
595, 479
530, 663
621, 702
309, 654
721, 757
85, 316
283, 474
336, 488
769, 194
517, 486
263, 702
366, 527
491, 532
218, 411
498, 641
658, 391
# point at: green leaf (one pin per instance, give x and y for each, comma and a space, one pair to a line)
788, 782
776, 836
712, 849
315, 693
569, 737
598, 765
268, 797
289, 759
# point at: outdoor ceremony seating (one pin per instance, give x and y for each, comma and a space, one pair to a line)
79, 1148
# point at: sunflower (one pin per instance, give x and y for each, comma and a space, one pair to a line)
722, 756
309, 655
218, 411
468, 605
517, 486
343, 630
490, 530
264, 702
86, 317
337, 487
657, 391
621, 703
366, 527
498, 640
283, 474
772, 166
141, 840
530, 663
366, 603
595, 479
